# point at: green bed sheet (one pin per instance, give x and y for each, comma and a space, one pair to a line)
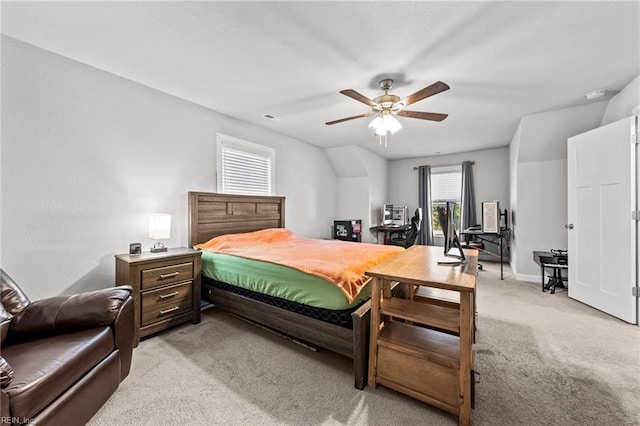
278, 281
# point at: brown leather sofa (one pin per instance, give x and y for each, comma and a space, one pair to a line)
61, 358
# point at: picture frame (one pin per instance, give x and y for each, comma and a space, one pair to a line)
135, 249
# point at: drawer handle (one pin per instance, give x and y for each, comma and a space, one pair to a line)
171, 275
166, 296
166, 311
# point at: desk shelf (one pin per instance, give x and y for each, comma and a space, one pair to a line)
421, 343
435, 316
421, 363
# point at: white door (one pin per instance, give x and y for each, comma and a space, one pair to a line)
602, 233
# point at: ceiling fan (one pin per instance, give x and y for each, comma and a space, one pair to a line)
387, 104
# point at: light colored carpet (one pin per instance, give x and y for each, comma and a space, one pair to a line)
543, 360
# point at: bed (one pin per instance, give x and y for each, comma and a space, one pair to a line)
213, 215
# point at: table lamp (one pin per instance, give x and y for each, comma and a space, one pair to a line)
159, 229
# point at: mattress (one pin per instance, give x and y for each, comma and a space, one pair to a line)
340, 317
340, 263
280, 282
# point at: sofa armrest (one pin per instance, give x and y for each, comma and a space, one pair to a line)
123, 330
69, 313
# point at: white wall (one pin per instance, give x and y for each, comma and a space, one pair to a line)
624, 104
540, 185
87, 156
361, 185
514, 149
377, 169
538, 158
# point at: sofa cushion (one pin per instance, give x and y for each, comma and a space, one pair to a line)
6, 373
45, 368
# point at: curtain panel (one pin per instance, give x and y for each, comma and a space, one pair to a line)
467, 198
425, 236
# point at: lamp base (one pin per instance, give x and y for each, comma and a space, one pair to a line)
158, 247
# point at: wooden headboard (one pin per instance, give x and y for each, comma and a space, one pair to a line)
211, 214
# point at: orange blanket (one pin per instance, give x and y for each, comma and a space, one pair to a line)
339, 262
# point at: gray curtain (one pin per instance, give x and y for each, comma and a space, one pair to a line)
425, 236
468, 198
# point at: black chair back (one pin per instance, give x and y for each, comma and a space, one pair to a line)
411, 235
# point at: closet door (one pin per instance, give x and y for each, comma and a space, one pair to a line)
602, 231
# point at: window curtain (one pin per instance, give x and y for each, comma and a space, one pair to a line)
467, 198
425, 236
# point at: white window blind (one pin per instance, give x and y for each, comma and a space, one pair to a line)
446, 183
244, 167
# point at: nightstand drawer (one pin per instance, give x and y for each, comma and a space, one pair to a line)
166, 275
166, 302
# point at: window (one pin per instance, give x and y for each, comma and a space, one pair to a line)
244, 167
446, 185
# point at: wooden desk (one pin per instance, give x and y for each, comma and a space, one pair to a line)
433, 364
388, 229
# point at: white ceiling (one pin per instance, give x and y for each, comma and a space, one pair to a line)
503, 60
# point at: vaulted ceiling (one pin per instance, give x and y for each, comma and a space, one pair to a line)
502, 60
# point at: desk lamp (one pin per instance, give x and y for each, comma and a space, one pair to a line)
159, 229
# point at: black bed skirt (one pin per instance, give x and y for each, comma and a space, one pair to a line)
340, 318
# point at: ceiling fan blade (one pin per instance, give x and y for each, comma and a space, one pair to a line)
358, 97
433, 116
329, 123
434, 89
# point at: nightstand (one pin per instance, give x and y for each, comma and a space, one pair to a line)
166, 288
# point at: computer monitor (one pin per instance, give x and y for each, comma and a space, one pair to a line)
399, 216
452, 247
394, 215
387, 214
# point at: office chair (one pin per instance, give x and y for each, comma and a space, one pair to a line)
409, 237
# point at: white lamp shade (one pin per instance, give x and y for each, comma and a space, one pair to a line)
391, 123
384, 124
160, 226
376, 123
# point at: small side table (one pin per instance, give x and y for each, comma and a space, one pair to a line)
166, 288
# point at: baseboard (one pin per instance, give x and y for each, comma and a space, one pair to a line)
529, 278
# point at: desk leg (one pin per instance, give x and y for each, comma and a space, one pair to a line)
374, 329
464, 374
501, 259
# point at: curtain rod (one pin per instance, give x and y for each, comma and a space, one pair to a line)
446, 165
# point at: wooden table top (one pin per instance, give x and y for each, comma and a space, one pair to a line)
418, 265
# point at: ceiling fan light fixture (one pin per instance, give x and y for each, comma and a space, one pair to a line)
385, 123
377, 124
391, 123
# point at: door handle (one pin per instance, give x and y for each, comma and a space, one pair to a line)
569, 226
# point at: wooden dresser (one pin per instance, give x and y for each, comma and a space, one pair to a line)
422, 345
166, 288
